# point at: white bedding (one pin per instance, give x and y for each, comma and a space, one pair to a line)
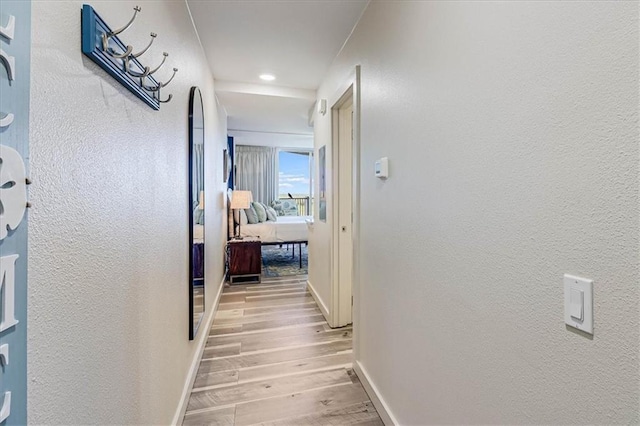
198, 234
286, 228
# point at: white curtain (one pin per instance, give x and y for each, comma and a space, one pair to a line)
257, 171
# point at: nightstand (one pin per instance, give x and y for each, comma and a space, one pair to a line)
244, 260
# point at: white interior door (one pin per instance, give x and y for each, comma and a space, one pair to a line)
344, 198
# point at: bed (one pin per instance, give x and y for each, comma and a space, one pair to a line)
285, 230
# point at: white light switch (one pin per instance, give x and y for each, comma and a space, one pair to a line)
578, 303
381, 168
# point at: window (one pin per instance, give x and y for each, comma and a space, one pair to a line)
294, 178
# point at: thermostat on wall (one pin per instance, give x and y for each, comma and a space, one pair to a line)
382, 168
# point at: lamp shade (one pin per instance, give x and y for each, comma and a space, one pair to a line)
241, 199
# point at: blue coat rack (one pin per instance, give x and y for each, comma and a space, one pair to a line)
103, 46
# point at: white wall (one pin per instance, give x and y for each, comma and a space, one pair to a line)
108, 244
320, 256
511, 131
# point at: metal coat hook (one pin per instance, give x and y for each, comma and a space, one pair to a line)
160, 84
127, 68
107, 36
164, 54
166, 100
127, 60
142, 52
123, 55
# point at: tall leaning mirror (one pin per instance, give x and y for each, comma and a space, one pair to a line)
196, 211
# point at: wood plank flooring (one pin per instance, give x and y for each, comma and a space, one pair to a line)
272, 359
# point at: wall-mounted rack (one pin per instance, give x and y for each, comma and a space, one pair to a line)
102, 45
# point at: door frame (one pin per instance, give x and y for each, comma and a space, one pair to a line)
344, 304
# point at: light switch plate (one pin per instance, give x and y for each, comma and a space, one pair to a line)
381, 168
578, 303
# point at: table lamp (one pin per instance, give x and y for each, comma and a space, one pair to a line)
240, 200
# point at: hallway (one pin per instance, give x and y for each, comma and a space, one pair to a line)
272, 359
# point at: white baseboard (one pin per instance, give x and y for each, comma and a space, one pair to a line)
381, 406
203, 332
319, 302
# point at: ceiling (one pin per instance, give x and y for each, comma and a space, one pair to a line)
294, 40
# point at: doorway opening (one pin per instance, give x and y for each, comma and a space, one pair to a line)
345, 182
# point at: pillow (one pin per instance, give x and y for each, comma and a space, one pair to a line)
252, 216
277, 206
271, 214
265, 210
198, 217
285, 207
260, 211
243, 217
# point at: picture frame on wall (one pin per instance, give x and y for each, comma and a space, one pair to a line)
322, 170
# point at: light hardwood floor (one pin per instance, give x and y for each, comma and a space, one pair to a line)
272, 359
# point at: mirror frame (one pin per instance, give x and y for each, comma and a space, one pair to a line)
193, 325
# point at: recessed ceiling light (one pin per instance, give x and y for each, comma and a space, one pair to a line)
267, 77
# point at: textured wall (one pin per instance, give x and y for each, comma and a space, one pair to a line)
512, 135
108, 250
320, 233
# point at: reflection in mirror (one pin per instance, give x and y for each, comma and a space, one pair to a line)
196, 211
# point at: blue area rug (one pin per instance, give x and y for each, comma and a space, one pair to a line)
278, 262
